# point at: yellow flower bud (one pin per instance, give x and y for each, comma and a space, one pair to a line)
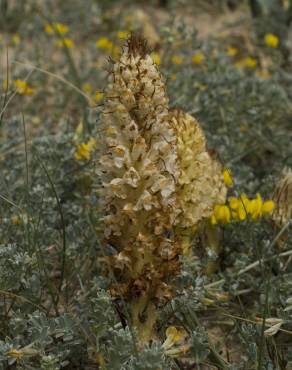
234, 203
222, 214
198, 58
271, 40
254, 207
87, 87
104, 43
268, 207
23, 88
227, 177
65, 42
241, 212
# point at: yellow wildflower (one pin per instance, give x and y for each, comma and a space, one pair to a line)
98, 96
227, 176
268, 207
249, 62
60, 28
175, 343
241, 213
240, 207
221, 214
173, 335
122, 35
244, 200
234, 203
104, 43
87, 87
237, 209
16, 39
271, 40
198, 58
23, 88
20, 85
173, 76
231, 51
66, 42
224, 214
49, 29
156, 58
213, 219
83, 150
254, 207
176, 59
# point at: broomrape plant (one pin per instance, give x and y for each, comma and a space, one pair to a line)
158, 184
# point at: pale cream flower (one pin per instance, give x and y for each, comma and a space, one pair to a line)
201, 181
